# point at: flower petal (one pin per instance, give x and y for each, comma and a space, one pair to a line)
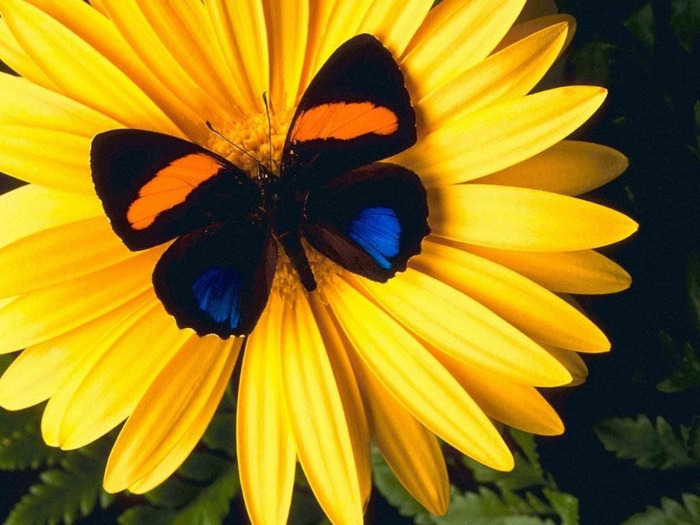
26, 104
12, 54
528, 27
580, 272
480, 337
265, 445
50, 312
66, 252
195, 104
288, 27
416, 379
500, 77
46, 157
526, 305
143, 351
411, 451
19, 217
240, 30
517, 405
523, 219
178, 405
395, 22
499, 136
337, 349
39, 371
62, 51
103, 336
569, 167
573, 363
316, 414
185, 29
440, 51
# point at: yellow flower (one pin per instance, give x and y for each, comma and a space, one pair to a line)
459, 340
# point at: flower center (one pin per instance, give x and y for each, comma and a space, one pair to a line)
255, 137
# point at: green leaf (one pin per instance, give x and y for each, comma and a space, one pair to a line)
199, 495
565, 505
25, 449
670, 513
68, 493
641, 24
685, 20
220, 434
592, 62
650, 446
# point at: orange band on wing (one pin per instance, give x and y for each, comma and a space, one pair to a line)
344, 121
170, 187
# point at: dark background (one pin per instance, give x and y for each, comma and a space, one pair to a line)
648, 116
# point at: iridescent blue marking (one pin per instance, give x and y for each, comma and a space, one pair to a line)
378, 232
218, 292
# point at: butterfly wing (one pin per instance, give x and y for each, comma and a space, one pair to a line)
216, 280
370, 220
355, 111
155, 187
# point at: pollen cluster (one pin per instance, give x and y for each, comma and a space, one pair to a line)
256, 137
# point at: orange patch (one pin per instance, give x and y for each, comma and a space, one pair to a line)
170, 187
344, 121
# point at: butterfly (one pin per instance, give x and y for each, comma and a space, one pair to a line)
369, 217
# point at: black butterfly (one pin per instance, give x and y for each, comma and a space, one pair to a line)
369, 217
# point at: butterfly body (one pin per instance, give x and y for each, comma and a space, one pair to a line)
333, 194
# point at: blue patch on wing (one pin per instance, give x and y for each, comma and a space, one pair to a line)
218, 292
378, 232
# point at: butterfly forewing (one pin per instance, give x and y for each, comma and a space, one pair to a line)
155, 187
217, 279
370, 220
355, 111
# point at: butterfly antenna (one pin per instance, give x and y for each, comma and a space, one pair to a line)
211, 128
269, 126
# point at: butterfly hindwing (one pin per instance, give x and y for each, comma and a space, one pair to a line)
355, 111
217, 279
155, 187
370, 220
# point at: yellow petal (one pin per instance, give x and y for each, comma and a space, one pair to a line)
27, 104
39, 371
265, 445
50, 312
288, 27
337, 349
470, 333
573, 363
569, 167
411, 451
395, 22
62, 51
517, 405
195, 105
46, 157
30, 209
120, 378
455, 36
182, 398
499, 136
184, 28
536, 8
580, 272
12, 54
524, 304
416, 379
316, 415
103, 336
523, 219
528, 27
510, 74
59, 254
240, 30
